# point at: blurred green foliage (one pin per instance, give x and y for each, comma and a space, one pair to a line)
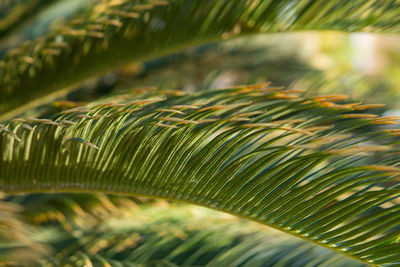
65, 229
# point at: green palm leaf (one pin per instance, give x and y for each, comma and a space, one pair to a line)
110, 34
15, 12
15, 237
257, 152
176, 235
73, 210
152, 234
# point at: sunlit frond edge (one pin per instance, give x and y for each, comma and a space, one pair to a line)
303, 166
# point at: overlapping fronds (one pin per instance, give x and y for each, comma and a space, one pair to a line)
169, 235
15, 12
258, 152
73, 210
112, 33
159, 234
15, 237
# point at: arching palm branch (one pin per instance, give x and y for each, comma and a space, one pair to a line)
310, 167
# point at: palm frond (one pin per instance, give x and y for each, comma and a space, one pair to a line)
258, 152
152, 234
73, 210
16, 244
182, 235
109, 35
15, 12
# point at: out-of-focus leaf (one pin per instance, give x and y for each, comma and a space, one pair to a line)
15, 12
111, 34
16, 243
177, 235
259, 152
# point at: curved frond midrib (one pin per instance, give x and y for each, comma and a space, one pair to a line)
82, 188
208, 238
249, 151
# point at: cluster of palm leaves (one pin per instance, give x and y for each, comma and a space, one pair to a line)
321, 170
